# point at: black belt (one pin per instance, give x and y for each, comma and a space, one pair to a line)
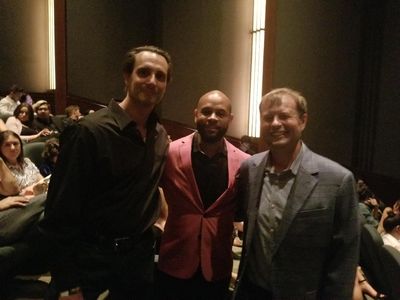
121, 244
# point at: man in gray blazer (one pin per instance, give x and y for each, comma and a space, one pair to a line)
300, 212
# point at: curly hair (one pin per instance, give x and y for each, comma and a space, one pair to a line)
51, 149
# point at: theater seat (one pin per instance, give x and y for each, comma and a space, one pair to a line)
34, 152
391, 266
371, 243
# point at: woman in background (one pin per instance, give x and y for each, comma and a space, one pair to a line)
22, 121
392, 230
29, 179
22, 183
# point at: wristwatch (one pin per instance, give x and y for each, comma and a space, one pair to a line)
69, 292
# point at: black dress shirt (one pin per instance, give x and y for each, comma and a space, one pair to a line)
106, 179
40, 124
211, 173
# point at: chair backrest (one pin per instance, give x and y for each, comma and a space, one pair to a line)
59, 121
34, 152
391, 266
371, 243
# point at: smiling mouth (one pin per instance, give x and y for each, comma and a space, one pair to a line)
277, 134
213, 129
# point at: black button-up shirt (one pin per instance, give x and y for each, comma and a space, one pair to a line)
211, 173
106, 178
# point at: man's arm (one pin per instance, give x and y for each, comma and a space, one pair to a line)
162, 218
68, 190
344, 254
5, 108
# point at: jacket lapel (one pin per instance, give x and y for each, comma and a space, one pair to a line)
233, 163
304, 184
185, 164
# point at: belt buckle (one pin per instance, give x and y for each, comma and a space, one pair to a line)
120, 244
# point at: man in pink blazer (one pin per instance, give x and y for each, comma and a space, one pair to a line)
195, 260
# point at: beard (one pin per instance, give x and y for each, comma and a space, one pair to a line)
210, 138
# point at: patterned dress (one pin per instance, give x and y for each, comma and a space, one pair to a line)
27, 175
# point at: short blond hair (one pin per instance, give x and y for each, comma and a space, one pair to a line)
275, 97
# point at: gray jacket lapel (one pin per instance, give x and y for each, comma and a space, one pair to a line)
305, 182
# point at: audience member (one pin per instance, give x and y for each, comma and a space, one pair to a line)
73, 114
391, 225
26, 183
9, 103
43, 118
50, 155
368, 205
195, 260
29, 180
301, 233
363, 288
26, 98
103, 198
21, 124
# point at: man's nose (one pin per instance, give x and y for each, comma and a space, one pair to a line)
151, 79
213, 116
276, 121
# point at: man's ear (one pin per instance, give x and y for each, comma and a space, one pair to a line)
195, 115
126, 79
304, 119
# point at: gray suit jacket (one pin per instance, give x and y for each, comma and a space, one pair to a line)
316, 246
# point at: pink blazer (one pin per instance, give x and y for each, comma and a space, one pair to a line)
194, 236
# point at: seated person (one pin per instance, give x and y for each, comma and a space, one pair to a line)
73, 114
29, 180
363, 288
391, 224
26, 99
17, 189
50, 155
394, 209
9, 103
43, 118
21, 123
368, 205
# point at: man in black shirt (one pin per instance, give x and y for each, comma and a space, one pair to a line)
43, 118
103, 197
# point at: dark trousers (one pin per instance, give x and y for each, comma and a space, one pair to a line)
250, 291
195, 288
125, 274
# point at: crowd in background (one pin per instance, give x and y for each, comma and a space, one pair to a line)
23, 184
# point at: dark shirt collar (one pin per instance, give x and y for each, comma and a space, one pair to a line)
123, 119
196, 145
44, 121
